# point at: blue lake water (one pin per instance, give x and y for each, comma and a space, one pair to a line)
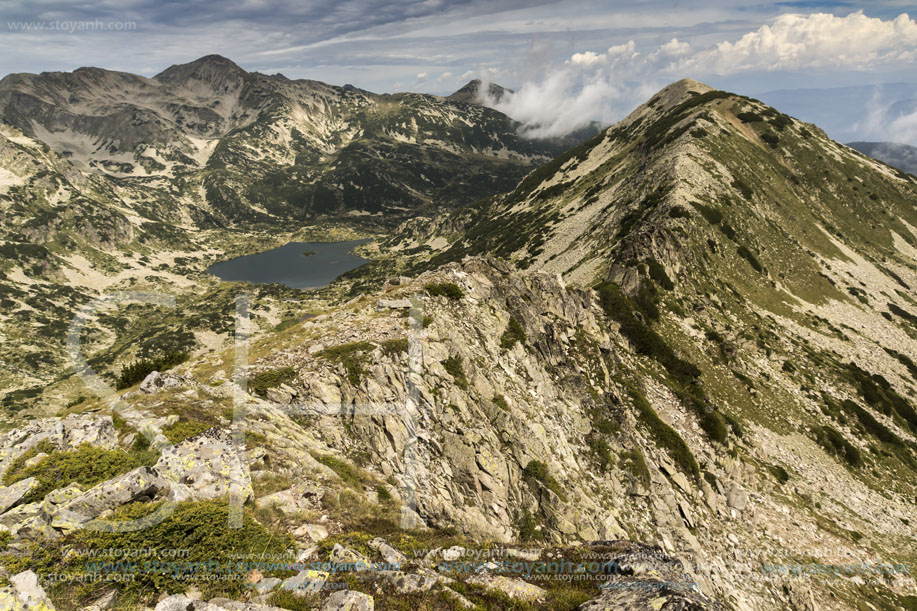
291, 266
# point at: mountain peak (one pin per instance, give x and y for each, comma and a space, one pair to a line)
471, 92
210, 68
679, 91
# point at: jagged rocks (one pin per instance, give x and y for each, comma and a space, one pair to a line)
180, 602
407, 583
389, 554
736, 498
393, 304
348, 600
305, 582
304, 497
63, 433
206, 466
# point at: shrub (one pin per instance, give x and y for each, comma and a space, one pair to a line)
87, 466
449, 290
711, 214
743, 188
352, 356
453, 366
262, 381
666, 437
394, 346
677, 212
348, 473
779, 473
734, 424
714, 425
537, 470
500, 401
748, 256
514, 334
835, 443
657, 273
771, 139
184, 429
637, 464
601, 451
138, 370
749, 117
728, 231
527, 526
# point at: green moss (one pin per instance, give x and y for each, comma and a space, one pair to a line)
262, 381
514, 334
392, 347
500, 401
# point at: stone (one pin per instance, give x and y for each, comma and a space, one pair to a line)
29, 592
453, 553
62, 495
407, 583
207, 466
348, 600
295, 500
157, 381
264, 586
513, 588
736, 498
393, 304
305, 582
10, 496
346, 556
389, 554
141, 484
311, 532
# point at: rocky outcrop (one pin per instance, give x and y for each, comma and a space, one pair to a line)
25, 594
206, 466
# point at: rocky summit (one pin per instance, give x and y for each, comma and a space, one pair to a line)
669, 368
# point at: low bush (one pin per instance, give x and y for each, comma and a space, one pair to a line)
749, 117
658, 274
352, 356
262, 381
135, 372
748, 256
87, 466
666, 437
514, 334
449, 290
835, 443
779, 473
677, 212
453, 366
537, 470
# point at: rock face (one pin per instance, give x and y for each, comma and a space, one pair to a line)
157, 381
10, 496
206, 466
349, 600
25, 594
141, 484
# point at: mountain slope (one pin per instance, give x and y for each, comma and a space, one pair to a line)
897, 155
264, 146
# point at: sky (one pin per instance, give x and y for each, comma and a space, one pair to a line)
568, 61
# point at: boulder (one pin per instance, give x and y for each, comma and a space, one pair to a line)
141, 484
393, 304
305, 582
348, 600
346, 556
311, 532
736, 498
389, 553
157, 381
10, 496
206, 466
513, 588
407, 583
25, 594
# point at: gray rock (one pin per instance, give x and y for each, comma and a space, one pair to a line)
348, 600
408, 582
453, 553
28, 593
736, 498
389, 553
143, 483
207, 466
393, 304
10, 496
311, 532
305, 582
157, 381
513, 588
345, 555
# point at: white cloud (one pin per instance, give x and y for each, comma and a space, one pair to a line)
821, 40
603, 85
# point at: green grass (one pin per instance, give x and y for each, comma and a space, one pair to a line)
184, 429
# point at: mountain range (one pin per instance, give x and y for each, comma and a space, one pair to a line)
684, 346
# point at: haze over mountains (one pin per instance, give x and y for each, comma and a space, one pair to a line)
685, 343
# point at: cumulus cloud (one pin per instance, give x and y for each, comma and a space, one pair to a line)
885, 122
820, 40
603, 85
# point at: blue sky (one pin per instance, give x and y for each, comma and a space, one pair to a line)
584, 57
